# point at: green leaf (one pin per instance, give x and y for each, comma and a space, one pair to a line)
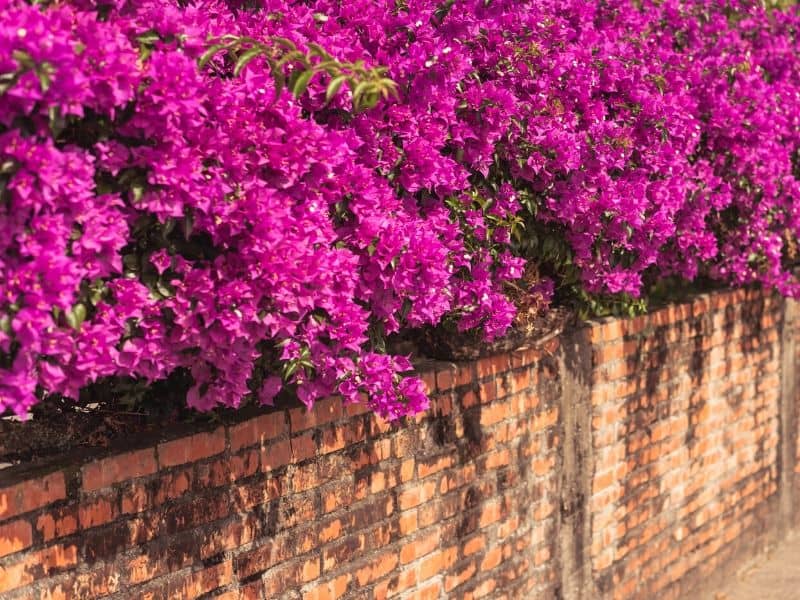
137, 191
209, 54
76, 316
43, 73
188, 224
23, 59
245, 58
360, 89
286, 43
319, 51
301, 83
289, 369
334, 86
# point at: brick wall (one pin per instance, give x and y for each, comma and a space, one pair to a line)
629, 459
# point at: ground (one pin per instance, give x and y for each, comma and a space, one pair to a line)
772, 576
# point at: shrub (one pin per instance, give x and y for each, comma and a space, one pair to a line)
257, 193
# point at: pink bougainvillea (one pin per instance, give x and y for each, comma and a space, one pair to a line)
164, 207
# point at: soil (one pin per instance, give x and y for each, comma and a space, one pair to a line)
57, 431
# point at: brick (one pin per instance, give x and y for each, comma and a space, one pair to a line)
420, 546
474, 545
229, 536
57, 523
436, 563
339, 436
257, 431
259, 559
243, 465
416, 494
289, 575
324, 411
330, 531
408, 522
96, 512
431, 591
276, 455
492, 365
114, 469
407, 470
451, 582
328, 590
195, 584
303, 447
141, 569
337, 495
491, 559
172, 485
430, 467
135, 498
191, 449
37, 565
491, 513
32, 494
378, 567
15, 536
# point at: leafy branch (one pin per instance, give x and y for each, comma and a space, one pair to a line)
367, 85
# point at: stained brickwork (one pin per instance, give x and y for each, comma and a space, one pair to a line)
630, 459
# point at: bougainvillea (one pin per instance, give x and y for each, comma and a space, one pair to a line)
257, 193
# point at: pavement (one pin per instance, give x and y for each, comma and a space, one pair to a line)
773, 576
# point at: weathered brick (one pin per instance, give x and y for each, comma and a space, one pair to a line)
32, 494
191, 449
376, 568
98, 511
114, 469
57, 523
257, 431
15, 536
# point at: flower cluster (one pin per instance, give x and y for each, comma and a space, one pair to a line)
251, 216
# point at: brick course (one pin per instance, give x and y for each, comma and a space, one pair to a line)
636, 458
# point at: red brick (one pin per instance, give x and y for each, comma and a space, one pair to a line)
276, 455
408, 522
430, 467
492, 365
436, 563
111, 470
303, 447
15, 536
96, 512
328, 590
32, 494
172, 485
464, 574
191, 449
37, 565
420, 546
230, 536
324, 411
195, 584
416, 494
58, 523
258, 431
289, 575
376, 568
474, 545
431, 591
492, 558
